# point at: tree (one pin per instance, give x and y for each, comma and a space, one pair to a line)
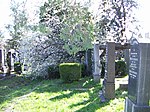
43, 52
1, 35
49, 44
115, 18
76, 27
19, 24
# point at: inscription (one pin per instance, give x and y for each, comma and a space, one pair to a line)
133, 63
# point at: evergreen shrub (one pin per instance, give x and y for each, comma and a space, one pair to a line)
70, 71
120, 68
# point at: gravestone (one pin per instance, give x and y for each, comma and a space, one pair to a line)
108, 91
0, 58
126, 56
88, 61
139, 77
97, 65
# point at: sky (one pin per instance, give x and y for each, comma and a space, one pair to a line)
142, 13
4, 12
5, 18
5, 9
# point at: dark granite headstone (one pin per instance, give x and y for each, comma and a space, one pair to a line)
133, 70
109, 79
139, 77
0, 59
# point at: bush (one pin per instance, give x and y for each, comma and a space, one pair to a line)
17, 67
53, 72
120, 68
70, 71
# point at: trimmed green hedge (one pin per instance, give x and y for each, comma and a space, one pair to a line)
70, 71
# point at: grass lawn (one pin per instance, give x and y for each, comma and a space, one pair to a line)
18, 94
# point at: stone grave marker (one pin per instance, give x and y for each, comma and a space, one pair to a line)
108, 91
0, 58
133, 70
139, 77
97, 64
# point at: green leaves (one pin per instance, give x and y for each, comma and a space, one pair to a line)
77, 28
114, 19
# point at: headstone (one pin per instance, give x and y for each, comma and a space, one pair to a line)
88, 61
139, 77
9, 62
109, 79
133, 70
126, 56
0, 58
97, 65
12, 60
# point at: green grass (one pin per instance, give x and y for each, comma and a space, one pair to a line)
22, 95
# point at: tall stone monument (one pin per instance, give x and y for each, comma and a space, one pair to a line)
108, 91
139, 77
97, 64
2, 60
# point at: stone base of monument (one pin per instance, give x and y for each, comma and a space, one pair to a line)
132, 107
96, 78
109, 90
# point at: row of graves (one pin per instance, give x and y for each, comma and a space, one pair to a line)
137, 57
7, 60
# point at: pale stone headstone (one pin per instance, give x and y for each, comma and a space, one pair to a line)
3, 58
139, 77
97, 66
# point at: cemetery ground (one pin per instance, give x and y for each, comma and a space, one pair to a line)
18, 94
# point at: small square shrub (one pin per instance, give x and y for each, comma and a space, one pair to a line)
70, 71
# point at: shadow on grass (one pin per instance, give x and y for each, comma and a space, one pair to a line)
84, 86
94, 103
19, 86
13, 87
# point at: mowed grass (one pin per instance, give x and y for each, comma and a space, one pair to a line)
18, 94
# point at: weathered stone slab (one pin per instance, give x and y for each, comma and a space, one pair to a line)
109, 79
97, 65
131, 107
133, 70
110, 62
139, 77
